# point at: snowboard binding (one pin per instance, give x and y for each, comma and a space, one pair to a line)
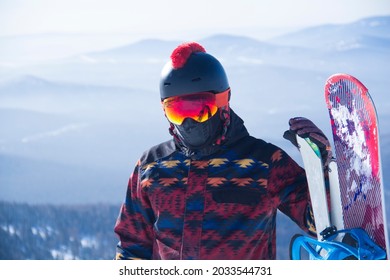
354, 244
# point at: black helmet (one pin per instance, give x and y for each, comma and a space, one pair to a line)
192, 70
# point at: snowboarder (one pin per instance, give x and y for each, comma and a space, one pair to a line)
212, 191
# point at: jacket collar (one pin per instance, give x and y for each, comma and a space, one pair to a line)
235, 131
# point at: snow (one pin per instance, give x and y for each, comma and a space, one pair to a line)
89, 242
249, 60
11, 230
374, 23
42, 232
62, 254
54, 133
343, 45
100, 110
38, 231
88, 59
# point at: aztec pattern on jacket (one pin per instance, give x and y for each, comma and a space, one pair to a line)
221, 206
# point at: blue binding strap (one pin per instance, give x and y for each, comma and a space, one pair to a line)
355, 245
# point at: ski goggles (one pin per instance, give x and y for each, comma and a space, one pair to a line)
199, 106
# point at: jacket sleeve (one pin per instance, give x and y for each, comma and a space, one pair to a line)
287, 181
134, 225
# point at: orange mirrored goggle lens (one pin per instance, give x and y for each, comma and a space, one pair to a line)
199, 106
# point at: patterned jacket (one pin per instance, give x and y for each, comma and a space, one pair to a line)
220, 206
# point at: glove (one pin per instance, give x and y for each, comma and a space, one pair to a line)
305, 128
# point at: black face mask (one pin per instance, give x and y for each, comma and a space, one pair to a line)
196, 135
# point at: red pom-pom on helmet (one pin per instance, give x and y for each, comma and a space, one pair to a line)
181, 54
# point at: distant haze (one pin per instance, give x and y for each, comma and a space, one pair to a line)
72, 127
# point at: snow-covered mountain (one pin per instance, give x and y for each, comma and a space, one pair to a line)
100, 110
369, 33
73, 127
46, 232
51, 232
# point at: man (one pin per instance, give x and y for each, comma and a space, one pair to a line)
213, 191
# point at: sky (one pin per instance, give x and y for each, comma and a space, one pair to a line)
39, 30
175, 18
